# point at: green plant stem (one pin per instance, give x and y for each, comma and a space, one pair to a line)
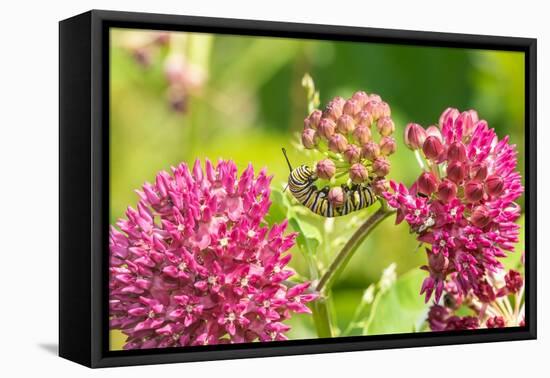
344, 256
319, 307
353, 322
321, 317
420, 160
320, 310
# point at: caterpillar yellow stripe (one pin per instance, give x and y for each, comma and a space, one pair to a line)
301, 183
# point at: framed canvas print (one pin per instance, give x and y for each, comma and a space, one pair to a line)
234, 188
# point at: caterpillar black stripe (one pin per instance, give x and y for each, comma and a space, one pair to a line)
301, 184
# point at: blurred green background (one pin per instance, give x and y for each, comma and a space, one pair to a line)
251, 103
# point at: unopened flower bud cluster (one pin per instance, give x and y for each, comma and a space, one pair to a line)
355, 134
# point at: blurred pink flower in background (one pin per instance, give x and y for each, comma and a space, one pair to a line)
183, 78
194, 264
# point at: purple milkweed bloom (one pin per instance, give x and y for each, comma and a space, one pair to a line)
470, 220
194, 264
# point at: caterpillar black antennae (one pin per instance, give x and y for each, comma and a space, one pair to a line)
286, 158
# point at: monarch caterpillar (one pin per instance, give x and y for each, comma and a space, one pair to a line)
301, 185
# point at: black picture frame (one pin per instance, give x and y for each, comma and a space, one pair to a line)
84, 175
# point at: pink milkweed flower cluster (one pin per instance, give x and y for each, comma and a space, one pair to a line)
194, 264
463, 203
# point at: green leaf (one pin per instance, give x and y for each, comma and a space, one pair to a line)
279, 208
400, 308
309, 236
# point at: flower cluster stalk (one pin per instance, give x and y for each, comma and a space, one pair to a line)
343, 257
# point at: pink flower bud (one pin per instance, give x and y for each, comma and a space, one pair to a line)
385, 110
364, 118
456, 151
478, 171
433, 148
514, 281
494, 185
415, 136
434, 131
375, 97
446, 190
326, 127
448, 115
480, 217
370, 151
387, 145
495, 322
352, 154
380, 185
374, 108
362, 134
309, 138
381, 167
473, 190
351, 107
325, 169
456, 171
361, 98
427, 183
438, 262
336, 196
345, 124
358, 173
385, 126
307, 123
484, 292
337, 143
334, 108
312, 121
